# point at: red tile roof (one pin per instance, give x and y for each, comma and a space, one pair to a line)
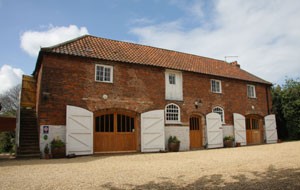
106, 49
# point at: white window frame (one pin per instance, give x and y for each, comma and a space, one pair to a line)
220, 86
105, 67
253, 93
168, 112
219, 110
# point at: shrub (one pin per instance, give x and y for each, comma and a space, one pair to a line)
7, 142
173, 139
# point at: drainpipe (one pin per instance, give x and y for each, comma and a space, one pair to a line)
267, 94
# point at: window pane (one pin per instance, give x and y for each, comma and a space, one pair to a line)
172, 79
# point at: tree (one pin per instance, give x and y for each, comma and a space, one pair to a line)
10, 101
286, 106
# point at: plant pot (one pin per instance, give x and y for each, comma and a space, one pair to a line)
58, 152
173, 147
47, 156
237, 144
228, 143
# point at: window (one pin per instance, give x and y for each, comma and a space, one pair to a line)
172, 79
220, 111
125, 123
105, 123
114, 122
216, 86
251, 91
104, 73
172, 113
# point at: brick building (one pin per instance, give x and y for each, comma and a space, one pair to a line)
102, 95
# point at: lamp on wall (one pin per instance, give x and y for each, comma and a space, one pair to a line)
46, 95
198, 103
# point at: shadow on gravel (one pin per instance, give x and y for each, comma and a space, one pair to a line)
270, 179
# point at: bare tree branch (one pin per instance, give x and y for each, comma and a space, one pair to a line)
10, 101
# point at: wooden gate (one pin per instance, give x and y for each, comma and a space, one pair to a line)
195, 132
79, 131
214, 130
239, 128
152, 131
114, 131
254, 129
270, 129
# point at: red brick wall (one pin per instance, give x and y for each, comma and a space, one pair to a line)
70, 80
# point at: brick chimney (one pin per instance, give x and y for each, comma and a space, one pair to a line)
235, 63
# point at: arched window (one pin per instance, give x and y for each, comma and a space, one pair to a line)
220, 111
172, 112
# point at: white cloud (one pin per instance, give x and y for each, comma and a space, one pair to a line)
264, 34
9, 77
32, 41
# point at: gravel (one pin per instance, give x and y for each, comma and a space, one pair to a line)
275, 166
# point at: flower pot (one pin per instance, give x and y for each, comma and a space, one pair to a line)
47, 156
237, 144
58, 152
228, 143
173, 147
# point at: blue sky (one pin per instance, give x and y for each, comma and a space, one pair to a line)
264, 34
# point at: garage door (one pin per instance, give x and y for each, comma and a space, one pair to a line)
79, 131
114, 132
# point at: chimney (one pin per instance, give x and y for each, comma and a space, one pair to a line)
235, 63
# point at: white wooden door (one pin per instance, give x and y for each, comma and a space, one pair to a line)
173, 80
270, 129
79, 131
239, 128
214, 130
152, 131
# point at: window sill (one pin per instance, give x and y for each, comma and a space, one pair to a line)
173, 123
217, 92
109, 82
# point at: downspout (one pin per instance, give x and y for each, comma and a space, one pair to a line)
268, 104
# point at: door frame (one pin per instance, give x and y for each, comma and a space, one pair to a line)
130, 113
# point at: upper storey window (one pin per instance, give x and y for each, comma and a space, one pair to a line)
216, 86
251, 91
104, 73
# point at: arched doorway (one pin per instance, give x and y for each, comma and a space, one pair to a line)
254, 129
196, 137
115, 131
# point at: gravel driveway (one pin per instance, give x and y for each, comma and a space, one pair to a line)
275, 166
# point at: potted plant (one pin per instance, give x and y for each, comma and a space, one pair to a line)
228, 141
58, 148
46, 152
173, 144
